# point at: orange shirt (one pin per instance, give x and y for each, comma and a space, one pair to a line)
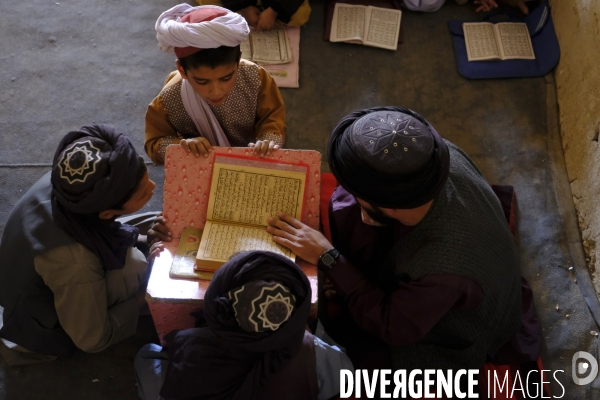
254, 110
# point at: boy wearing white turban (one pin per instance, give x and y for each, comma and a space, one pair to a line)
214, 98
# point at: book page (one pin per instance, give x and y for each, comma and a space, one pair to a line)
251, 195
287, 75
515, 41
480, 41
383, 27
270, 47
246, 49
285, 46
221, 240
348, 23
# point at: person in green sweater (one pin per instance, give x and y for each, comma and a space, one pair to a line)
422, 263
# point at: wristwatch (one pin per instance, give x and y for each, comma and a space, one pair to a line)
327, 259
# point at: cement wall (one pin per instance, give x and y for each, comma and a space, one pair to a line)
578, 88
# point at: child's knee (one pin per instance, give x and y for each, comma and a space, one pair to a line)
136, 269
136, 262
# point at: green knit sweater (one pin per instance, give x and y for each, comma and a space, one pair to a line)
464, 233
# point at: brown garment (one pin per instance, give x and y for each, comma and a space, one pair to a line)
254, 110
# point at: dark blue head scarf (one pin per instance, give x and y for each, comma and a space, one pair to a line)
389, 156
93, 170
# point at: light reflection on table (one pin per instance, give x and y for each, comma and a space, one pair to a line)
171, 300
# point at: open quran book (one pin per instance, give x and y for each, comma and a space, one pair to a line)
367, 25
267, 47
243, 195
501, 41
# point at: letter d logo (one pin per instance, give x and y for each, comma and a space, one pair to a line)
579, 367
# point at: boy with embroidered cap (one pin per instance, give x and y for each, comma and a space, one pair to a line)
253, 346
214, 98
70, 276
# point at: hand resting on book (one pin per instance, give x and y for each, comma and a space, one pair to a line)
200, 146
263, 148
197, 146
307, 243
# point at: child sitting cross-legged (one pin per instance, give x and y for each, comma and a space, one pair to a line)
214, 98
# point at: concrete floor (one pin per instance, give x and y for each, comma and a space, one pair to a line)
68, 63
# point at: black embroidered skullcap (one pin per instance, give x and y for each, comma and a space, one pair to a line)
238, 361
388, 156
261, 306
94, 169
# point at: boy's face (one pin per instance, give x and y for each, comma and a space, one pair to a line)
142, 195
212, 84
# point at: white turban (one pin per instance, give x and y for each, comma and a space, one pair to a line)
229, 29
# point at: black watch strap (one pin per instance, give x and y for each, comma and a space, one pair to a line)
328, 259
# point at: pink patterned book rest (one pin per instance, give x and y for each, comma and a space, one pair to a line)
185, 202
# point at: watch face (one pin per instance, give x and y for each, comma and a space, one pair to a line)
328, 259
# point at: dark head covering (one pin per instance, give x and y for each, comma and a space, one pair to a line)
388, 156
223, 360
93, 169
